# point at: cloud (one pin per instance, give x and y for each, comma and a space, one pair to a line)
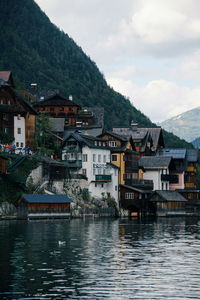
189, 68
159, 99
147, 49
158, 28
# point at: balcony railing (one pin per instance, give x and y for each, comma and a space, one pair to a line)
171, 178
104, 178
73, 163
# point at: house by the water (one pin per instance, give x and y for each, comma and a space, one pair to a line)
44, 206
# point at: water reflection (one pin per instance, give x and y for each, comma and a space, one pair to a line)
100, 259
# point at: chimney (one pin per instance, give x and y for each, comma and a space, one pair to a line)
134, 125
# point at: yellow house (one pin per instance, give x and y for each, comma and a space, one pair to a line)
123, 155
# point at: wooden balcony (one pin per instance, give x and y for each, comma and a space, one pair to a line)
190, 185
191, 169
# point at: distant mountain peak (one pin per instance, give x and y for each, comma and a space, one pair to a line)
185, 125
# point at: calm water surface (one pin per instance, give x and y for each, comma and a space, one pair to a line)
100, 259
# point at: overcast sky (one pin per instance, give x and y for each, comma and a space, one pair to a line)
148, 50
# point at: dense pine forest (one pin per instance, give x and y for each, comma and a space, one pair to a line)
35, 50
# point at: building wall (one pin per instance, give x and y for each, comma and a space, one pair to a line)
19, 131
30, 121
120, 163
97, 164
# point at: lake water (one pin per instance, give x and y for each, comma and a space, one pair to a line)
111, 259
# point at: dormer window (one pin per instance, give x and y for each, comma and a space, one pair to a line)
112, 143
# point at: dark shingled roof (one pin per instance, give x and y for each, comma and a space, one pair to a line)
115, 135
141, 133
154, 162
87, 140
57, 124
175, 153
56, 100
136, 189
168, 196
192, 155
44, 198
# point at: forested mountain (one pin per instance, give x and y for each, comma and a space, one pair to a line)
36, 51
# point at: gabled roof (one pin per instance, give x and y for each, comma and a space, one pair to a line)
24, 105
141, 133
154, 162
117, 136
55, 100
87, 140
136, 133
136, 189
167, 196
44, 198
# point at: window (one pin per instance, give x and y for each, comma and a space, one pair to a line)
5, 117
115, 187
102, 185
114, 157
112, 143
22, 145
99, 157
17, 144
104, 158
99, 171
129, 195
18, 117
84, 157
94, 157
19, 130
94, 171
84, 171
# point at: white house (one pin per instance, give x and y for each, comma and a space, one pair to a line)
19, 131
89, 156
158, 169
